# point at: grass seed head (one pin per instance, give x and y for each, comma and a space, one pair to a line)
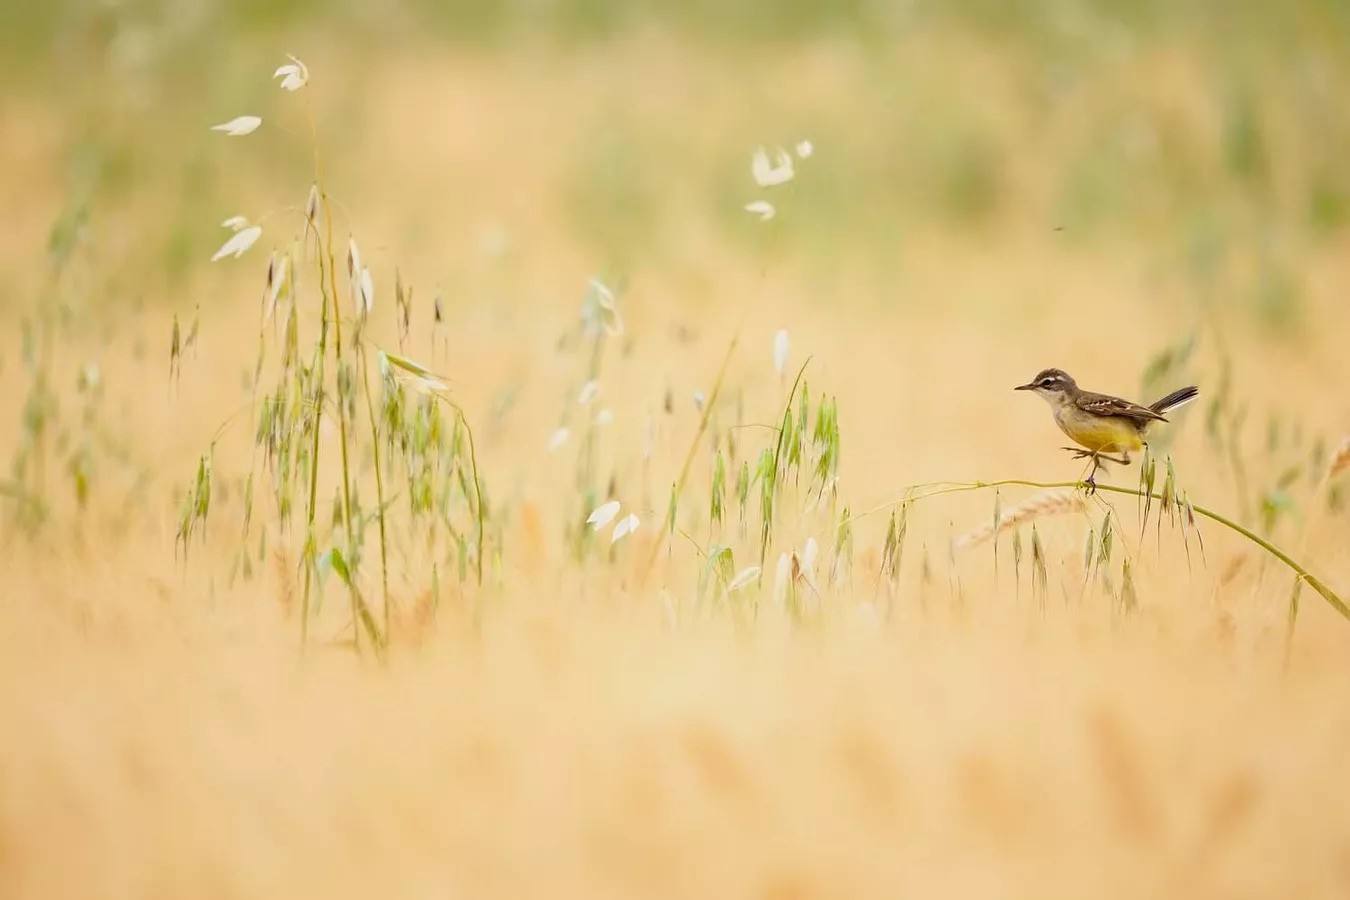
294, 75
1340, 460
888, 545
1129, 598
1107, 541
1169, 490
743, 488
1038, 506
1148, 476
743, 578
717, 492
238, 243
602, 515
239, 126
175, 349
1040, 579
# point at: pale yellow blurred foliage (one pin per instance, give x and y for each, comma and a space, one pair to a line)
569, 731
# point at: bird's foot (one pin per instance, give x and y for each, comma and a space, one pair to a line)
1080, 453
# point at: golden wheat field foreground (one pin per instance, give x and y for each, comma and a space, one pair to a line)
569, 450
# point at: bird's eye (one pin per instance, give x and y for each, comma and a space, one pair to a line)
1047, 382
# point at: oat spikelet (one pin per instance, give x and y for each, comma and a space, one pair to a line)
1038, 506
282, 562
1340, 462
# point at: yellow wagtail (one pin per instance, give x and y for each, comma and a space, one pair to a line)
1101, 423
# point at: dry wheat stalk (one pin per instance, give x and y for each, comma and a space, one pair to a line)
1038, 506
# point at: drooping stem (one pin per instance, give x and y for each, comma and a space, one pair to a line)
481, 514
943, 488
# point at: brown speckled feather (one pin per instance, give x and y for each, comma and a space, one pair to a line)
1104, 405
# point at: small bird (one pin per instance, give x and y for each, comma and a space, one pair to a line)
1101, 423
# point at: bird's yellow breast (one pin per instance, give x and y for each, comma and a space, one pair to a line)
1104, 434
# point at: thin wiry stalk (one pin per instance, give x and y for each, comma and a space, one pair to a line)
379, 485
961, 487
253, 390
477, 487
318, 402
586, 458
314, 460
777, 460
360, 615
689, 457
587, 462
41, 383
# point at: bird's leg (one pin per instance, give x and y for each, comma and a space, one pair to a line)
1124, 459
1080, 453
1089, 483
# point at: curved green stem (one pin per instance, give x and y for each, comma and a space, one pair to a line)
1303, 574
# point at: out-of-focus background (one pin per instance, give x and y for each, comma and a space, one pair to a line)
1119, 703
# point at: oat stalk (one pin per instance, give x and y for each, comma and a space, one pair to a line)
778, 447
379, 484
708, 407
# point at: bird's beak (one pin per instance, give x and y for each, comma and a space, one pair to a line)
1024, 387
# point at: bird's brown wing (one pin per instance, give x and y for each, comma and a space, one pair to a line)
1106, 405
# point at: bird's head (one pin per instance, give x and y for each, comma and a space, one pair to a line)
1054, 385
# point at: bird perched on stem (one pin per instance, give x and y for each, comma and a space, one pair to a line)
1100, 423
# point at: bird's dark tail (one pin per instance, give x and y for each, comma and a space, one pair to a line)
1177, 398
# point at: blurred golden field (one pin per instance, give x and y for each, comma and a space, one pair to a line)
1147, 195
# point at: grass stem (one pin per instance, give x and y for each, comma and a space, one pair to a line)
693, 449
379, 485
943, 488
777, 461
360, 615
